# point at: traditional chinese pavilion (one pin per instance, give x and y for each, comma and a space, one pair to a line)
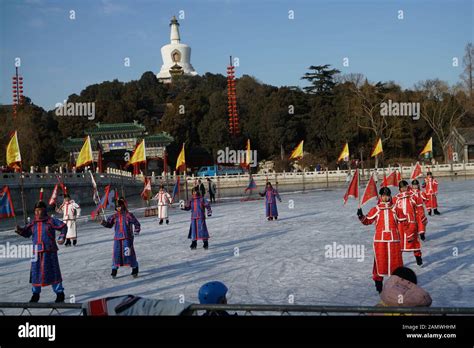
116, 142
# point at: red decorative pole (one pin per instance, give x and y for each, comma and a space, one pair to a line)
17, 88
232, 101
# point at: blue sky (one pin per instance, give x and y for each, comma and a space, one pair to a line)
61, 56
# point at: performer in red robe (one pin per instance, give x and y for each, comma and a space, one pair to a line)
420, 199
431, 190
405, 206
388, 255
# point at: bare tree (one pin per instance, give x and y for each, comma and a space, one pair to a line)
468, 63
356, 78
370, 98
441, 109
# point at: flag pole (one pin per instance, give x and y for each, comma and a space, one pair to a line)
358, 184
22, 192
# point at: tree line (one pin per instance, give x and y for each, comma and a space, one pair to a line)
333, 109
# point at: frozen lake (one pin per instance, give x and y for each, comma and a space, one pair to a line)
264, 262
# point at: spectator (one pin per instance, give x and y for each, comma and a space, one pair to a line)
212, 190
401, 290
202, 189
213, 293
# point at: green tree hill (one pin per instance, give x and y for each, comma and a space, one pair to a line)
332, 110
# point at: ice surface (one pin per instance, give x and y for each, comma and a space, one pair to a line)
276, 261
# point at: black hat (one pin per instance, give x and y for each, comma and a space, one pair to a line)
402, 183
40, 204
406, 273
67, 195
122, 202
415, 182
429, 173
385, 191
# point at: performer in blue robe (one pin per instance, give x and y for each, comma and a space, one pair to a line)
123, 251
45, 264
271, 195
198, 229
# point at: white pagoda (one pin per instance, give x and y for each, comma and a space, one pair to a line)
176, 56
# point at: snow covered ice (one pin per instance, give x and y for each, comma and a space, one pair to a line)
263, 262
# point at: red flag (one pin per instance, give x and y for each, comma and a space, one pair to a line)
370, 191
146, 193
54, 195
399, 177
416, 171
353, 189
392, 179
6, 203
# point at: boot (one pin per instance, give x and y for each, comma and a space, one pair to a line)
206, 245
68, 242
419, 260
135, 272
59, 297
276, 217
161, 221
429, 212
35, 298
74, 242
436, 212
167, 221
379, 285
193, 245
114, 273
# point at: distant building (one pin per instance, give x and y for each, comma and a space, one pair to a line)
176, 56
115, 139
461, 145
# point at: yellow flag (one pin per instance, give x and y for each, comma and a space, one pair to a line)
377, 149
85, 156
298, 151
247, 157
139, 155
344, 156
181, 161
428, 147
13, 151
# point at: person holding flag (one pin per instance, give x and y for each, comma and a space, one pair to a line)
431, 191
406, 208
271, 195
164, 200
386, 243
126, 226
45, 269
198, 228
419, 198
71, 211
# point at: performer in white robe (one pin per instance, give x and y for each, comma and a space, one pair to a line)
163, 199
71, 211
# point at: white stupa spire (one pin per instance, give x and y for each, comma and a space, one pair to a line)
174, 34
